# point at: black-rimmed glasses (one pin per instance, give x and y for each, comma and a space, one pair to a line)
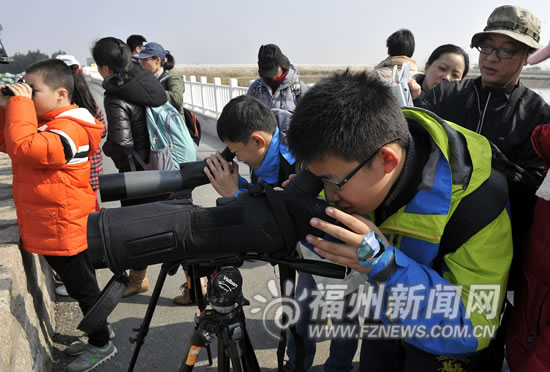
504, 53
333, 186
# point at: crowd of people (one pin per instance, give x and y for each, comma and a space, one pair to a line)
440, 201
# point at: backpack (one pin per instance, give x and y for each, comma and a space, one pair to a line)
193, 125
170, 141
191, 121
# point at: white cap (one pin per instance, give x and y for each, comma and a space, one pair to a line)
68, 59
540, 55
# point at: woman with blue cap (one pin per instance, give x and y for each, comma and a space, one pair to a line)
155, 58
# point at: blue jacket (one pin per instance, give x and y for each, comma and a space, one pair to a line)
414, 233
270, 169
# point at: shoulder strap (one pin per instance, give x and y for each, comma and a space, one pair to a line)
468, 218
257, 88
296, 89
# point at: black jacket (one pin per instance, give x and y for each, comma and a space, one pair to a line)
125, 109
506, 116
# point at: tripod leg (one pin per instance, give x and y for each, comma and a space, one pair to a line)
250, 360
197, 342
144, 327
239, 347
223, 357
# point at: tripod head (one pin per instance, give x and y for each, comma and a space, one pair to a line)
226, 291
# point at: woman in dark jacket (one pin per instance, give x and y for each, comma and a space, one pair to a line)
153, 57
128, 89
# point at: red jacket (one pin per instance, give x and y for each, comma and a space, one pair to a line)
50, 166
528, 340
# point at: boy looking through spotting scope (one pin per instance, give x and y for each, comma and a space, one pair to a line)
257, 137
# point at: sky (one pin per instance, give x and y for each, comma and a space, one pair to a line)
344, 32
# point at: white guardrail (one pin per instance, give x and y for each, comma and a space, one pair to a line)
201, 97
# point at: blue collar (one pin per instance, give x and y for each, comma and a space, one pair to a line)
269, 169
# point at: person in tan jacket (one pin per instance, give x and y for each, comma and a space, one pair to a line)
400, 51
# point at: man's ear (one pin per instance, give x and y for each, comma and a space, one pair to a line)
390, 158
259, 140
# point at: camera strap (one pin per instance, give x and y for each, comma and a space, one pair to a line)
286, 275
281, 216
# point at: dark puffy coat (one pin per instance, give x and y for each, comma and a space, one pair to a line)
507, 117
528, 341
125, 110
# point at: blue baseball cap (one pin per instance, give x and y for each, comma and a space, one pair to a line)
152, 49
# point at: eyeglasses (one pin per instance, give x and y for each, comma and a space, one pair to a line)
503, 53
333, 186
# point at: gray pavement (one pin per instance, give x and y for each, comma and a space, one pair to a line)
171, 325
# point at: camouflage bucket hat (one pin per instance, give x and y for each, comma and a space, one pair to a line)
513, 21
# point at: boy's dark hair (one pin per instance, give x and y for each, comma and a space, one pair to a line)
115, 54
450, 48
55, 73
135, 41
401, 43
243, 115
347, 115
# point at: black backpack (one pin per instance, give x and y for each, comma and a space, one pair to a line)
193, 125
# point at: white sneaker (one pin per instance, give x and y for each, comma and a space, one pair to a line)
61, 290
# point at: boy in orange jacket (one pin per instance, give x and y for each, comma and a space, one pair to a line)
49, 142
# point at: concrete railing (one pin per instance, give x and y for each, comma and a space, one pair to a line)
27, 300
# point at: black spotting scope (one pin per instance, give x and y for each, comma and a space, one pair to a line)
133, 185
262, 221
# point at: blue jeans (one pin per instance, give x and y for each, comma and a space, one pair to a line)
342, 351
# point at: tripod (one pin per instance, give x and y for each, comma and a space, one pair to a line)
226, 321
168, 268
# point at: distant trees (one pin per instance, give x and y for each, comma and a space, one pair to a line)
22, 61
55, 54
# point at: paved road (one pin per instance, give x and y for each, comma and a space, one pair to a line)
171, 325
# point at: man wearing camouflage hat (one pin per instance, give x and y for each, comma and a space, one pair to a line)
498, 106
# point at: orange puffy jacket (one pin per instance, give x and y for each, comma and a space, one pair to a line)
51, 169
